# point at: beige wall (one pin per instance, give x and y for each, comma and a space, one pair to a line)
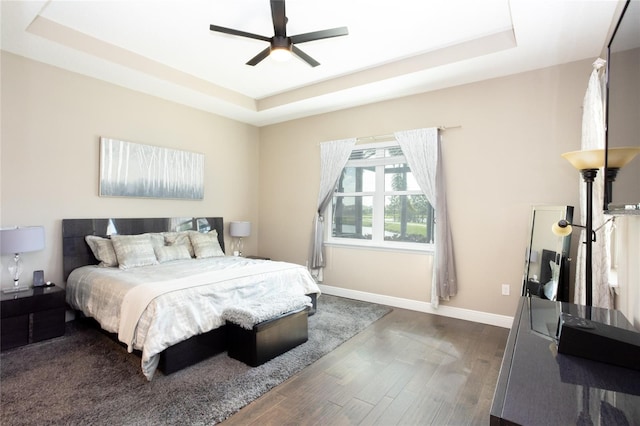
51, 124
504, 159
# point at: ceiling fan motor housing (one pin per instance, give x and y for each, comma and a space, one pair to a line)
280, 42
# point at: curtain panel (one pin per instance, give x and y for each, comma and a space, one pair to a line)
593, 137
333, 157
421, 148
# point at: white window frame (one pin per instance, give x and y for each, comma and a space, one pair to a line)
377, 242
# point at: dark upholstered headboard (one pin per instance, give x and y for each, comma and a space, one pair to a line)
76, 252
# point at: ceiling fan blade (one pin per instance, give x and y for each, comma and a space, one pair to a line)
308, 59
259, 57
318, 35
279, 18
238, 33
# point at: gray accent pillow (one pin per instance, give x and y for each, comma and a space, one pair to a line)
169, 253
102, 249
206, 245
133, 250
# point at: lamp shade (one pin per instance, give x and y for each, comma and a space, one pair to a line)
240, 229
561, 228
594, 158
281, 54
21, 239
585, 159
617, 158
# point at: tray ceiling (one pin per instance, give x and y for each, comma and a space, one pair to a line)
394, 48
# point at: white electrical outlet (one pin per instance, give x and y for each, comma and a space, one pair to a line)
505, 289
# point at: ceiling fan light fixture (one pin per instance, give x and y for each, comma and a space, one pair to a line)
281, 46
281, 49
281, 54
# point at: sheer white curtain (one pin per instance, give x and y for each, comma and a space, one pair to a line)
421, 147
593, 137
333, 157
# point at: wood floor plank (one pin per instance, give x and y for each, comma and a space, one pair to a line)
408, 368
382, 382
377, 411
354, 411
393, 414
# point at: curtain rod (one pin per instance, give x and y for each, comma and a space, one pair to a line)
392, 136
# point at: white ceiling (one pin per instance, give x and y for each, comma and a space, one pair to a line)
394, 48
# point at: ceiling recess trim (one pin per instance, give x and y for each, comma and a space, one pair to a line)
76, 40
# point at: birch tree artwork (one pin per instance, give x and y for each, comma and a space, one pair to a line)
130, 169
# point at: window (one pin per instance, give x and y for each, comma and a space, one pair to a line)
378, 202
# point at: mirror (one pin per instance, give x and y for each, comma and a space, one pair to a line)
546, 268
622, 192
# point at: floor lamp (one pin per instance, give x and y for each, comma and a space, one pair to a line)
588, 162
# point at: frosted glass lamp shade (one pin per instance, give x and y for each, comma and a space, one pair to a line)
281, 54
620, 157
585, 159
21, 239
240, 229
561, 228
594, 158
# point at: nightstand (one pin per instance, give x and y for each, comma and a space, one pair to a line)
31, 316
258, 257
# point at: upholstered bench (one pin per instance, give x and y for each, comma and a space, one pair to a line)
262, 329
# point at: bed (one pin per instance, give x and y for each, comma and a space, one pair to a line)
160, 285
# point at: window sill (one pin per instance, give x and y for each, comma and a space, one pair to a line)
429, 249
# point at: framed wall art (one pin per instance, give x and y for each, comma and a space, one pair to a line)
130, 169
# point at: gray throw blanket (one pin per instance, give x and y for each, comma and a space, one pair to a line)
255, 311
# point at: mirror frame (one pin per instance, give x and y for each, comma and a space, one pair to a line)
609, 205
554, 248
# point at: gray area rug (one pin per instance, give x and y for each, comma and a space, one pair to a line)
85, 378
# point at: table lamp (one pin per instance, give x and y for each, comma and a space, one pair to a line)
20, 240
238, 230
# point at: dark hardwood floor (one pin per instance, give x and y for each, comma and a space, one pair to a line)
408, 368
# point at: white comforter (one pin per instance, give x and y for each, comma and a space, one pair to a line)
173, 312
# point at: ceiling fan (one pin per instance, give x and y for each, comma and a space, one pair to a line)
280, 41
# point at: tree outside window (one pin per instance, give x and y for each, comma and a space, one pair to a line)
377, 200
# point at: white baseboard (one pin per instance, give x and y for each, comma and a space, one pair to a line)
414, 305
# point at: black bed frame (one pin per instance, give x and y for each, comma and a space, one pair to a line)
76, 253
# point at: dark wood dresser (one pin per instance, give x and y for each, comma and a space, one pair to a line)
538, 386
31, 316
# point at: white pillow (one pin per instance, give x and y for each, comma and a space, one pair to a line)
157, 239
551, 288
206, 245
179, 238
555, 270
133, 250
169, 253
102, 249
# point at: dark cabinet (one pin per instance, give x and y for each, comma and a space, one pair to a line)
31, 316
538, 385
